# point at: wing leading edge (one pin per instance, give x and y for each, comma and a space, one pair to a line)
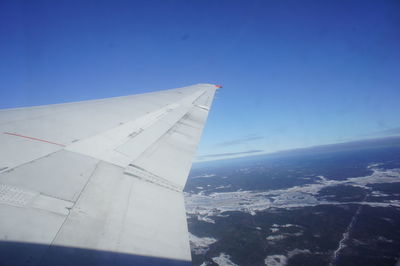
100, 182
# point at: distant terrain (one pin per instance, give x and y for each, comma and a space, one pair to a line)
328, 205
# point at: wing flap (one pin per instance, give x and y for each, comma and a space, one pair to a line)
174, 151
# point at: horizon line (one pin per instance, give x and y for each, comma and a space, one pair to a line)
259, 152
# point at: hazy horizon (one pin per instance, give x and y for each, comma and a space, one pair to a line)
364, 143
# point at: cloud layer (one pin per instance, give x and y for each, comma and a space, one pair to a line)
218, 155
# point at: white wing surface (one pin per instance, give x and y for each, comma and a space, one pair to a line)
99, 182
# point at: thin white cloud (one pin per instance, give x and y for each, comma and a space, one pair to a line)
239, 141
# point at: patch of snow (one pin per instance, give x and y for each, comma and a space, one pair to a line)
285, 225
205, 219
373, 165
378, 194
290, 225
358, 242
203, 176
275, 260
387, 219
384, 239
276, 237
282, 236
222, 187
200, 245
297, 251
224, 260
323, 179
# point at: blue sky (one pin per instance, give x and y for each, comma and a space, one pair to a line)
295, 73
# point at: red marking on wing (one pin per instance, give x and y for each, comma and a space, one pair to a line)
218, 86
27, 137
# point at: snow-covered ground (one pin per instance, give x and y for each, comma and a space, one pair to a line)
223, 260
205, 207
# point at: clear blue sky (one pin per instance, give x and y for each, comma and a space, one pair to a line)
295, 73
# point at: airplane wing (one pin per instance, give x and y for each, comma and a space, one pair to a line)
100, 182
